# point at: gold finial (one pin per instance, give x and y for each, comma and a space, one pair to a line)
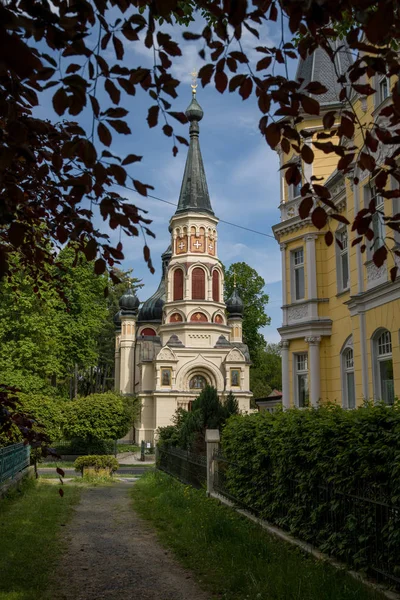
234, 278
194, 81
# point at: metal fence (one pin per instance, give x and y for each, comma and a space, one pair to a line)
13, 459
186, 466
361, 527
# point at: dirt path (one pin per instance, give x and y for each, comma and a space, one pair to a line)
111, 553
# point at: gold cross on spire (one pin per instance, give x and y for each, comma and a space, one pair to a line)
194, 81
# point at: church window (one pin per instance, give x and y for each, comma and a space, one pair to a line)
166, 375
178, 284
148, 331
235, 377
215, 286
198, 382
198, 284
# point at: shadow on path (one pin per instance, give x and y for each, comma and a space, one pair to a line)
111, 553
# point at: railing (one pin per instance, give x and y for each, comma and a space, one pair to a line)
13, 459
186, 466
367, 518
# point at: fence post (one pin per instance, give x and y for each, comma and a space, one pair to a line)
212, 443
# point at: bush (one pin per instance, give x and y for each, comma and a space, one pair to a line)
83, 447
106, 416
96, 462
306, 471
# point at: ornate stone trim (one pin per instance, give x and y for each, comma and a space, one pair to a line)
297, 313
313, 340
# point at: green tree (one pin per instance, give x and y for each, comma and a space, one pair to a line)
250, 286
106, 416
266, 371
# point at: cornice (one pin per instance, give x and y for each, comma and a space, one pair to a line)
306, 329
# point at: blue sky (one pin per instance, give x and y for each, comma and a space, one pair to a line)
241, 170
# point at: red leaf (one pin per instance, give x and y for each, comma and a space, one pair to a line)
366, 161
90, 249
310, 105
112, 91
221, 81
104, 134
131, 158
264, 63
305, 206
16, 234
321, 191
205, 74
273, 13
345, 161
380, 256
273, 134
307, 154
329, 238
146, 253
329, 119
60, 101
140, 187
119, 126
346, 127
61, 492
381, 179
264, 102
314, 87
393, 273
365, 90
60, 472
245, 88
179, 116
293, 175
188, 35
99, 266
319, 217
152, 116
167, 129
371, 142
118, 47
340, 218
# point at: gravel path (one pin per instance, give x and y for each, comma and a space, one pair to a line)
111, 553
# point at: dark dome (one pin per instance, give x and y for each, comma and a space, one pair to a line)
152, 309
194, 112
117, 320
234, 305
129, 302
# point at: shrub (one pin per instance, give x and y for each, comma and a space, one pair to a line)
106, 416
96, 462
306, 471
84, 447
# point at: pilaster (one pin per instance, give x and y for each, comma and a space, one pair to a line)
127, 346
285, 374
284, 290
314, 369
311, 266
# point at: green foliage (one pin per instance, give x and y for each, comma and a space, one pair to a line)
46, 411
250, 287
233, 557
266, 371
122, 448
31, 545
96, 462
82, 447
288, 464
207, 412
107, 416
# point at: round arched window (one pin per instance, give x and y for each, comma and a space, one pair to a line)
198, 382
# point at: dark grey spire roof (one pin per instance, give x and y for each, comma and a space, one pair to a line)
194, 191
319, 67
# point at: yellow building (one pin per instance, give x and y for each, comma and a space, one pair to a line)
341, 314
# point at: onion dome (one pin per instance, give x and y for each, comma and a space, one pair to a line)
129, 302
117, 320
152, 309
194, 112
234, 305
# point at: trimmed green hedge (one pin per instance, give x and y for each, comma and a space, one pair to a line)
96, 462
329, 476
83, 447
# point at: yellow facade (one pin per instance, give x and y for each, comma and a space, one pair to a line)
340, 334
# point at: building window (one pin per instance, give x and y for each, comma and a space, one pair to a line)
148, 331
215, 286
198, 284
301, 379
178, 284
383, 371
342, 259
298, 274
166, 377
383, 88
349, 392
235, 378
198, 382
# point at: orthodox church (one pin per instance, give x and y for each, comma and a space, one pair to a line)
184, 336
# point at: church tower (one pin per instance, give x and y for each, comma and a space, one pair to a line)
187, 337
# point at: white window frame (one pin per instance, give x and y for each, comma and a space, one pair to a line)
347, 366
300, 370
383, 82
377, 223
342, 254
295, 188
382, 352
297, 266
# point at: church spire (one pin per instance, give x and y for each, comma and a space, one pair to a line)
194, 194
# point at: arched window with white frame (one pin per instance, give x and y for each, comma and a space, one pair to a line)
383, 366
348, 380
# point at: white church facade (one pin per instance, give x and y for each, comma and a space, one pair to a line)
184, 337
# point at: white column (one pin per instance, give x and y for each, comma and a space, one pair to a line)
314, 370
311, 267
127, 346
364, 355
116, 364
359, 256
284, 290
285, 374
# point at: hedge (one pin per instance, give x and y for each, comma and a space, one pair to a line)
328, 476
96, 462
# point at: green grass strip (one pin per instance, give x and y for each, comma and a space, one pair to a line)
232, 557
31, 522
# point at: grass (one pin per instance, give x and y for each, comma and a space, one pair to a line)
232, 557
127, 448
30, 541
